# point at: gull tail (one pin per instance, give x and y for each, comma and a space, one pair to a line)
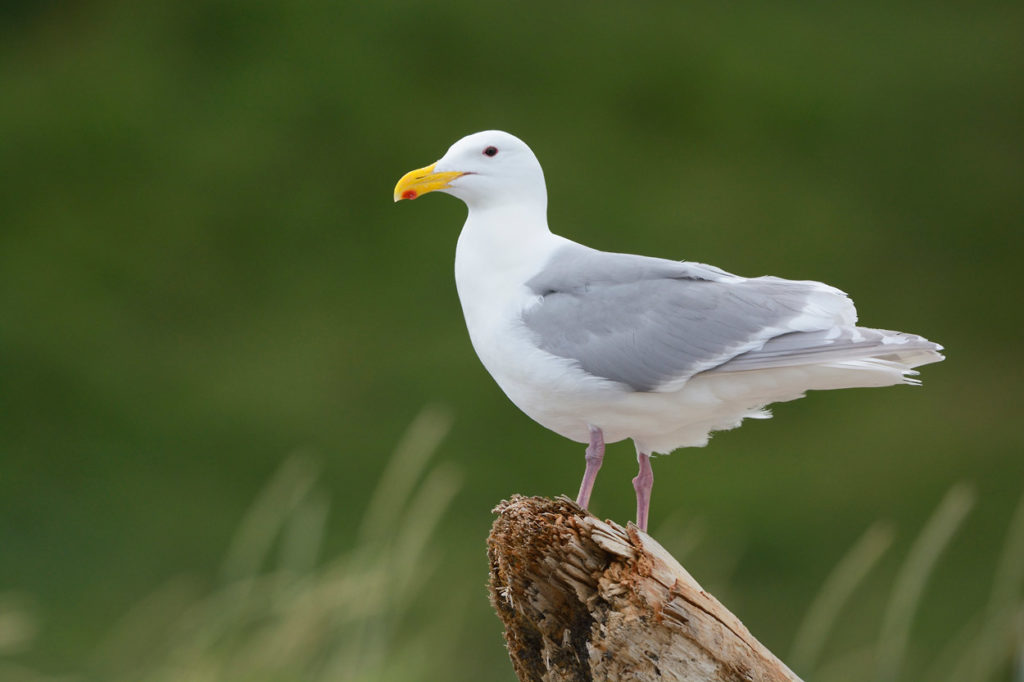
846, 347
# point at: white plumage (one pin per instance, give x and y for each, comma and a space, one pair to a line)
600, 347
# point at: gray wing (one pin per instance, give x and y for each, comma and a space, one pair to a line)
651, 323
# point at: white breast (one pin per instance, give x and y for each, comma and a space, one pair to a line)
492, 267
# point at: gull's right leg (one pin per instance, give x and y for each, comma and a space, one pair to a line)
642, 484
595, 455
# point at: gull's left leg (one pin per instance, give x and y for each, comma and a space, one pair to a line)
595, 455
642, 484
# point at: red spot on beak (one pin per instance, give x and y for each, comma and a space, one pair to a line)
409, 194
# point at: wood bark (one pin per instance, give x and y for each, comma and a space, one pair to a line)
588, 600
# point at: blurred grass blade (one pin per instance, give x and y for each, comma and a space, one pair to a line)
834, 593
18, 623
913, 577
1006, 585
302, 539
420, 441
405, 565
265, 518
1019, 658
425, 512
995, 642
954, 652
142, 633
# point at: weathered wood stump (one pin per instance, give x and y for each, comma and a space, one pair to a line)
588, 600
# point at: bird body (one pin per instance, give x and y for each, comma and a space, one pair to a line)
601, 347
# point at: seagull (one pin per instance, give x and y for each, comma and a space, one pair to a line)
600, 347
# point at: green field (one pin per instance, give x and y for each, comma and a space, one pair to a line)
215, 325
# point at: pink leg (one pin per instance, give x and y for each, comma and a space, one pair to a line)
643, 483
595, 455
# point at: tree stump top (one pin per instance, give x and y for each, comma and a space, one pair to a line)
584, 600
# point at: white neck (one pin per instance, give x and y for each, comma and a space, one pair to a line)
506, 236
499, 250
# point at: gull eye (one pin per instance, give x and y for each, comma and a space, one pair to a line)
491, 151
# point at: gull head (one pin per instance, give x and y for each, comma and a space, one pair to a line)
489, 169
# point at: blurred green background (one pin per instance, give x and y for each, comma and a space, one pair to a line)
202, 273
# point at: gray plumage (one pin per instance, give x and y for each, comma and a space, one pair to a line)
651, 323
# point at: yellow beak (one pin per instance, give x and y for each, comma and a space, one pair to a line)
422, 180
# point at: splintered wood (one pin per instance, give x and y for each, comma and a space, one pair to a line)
586, 600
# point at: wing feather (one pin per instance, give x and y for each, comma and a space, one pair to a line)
652, 324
